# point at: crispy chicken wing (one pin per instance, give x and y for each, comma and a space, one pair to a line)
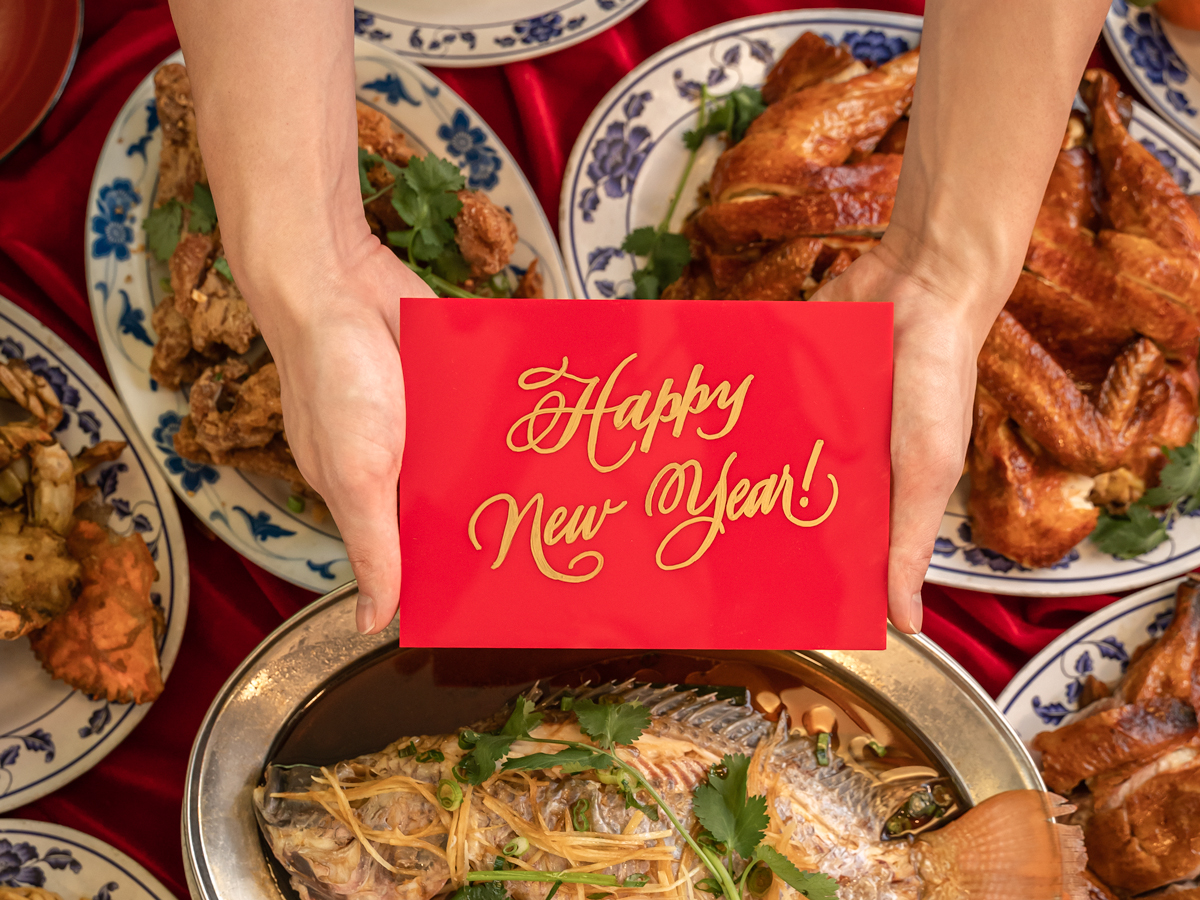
814, 128
1023, 503
780, 274
106, 644
485, 234
808, 61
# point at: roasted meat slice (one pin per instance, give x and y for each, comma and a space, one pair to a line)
106, 643
1112, 737
1144, 832
1070, 193
187, 265
814, 128
809, 60
38, 579
1023, 503
730, 226
1142, 197
1173, 275
780, 274
1171, 665
180, 165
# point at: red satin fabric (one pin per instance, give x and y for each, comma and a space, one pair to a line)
132, 798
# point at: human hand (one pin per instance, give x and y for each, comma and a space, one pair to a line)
940, 324
335, 342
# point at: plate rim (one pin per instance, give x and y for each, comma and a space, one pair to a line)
1102, 617
364, 50
496, 59
106, 851
179, 577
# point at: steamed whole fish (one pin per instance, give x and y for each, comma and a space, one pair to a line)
372, 827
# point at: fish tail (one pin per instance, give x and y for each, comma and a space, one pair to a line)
1007, 848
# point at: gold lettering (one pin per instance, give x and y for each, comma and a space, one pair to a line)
553, 523
739, 492
598, 417
808, 473
724, 401
763, 495
716, 500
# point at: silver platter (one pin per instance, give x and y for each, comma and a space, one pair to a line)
912, 681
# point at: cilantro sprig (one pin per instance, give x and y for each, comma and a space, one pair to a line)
1140, 530
733, 822
164, 225
667, 253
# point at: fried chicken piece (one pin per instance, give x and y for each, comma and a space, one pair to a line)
275, 460
32, 392
1085, 436
180, 165
174, 361
38, 578
106, 644
1142, 197
1145, 830
1173, 275
1112, 737
780, 274
814, 128
530, 285
732, 225
1023, 503
485, 234
234, 410
220, 317
188, 264
808, 61
377, 135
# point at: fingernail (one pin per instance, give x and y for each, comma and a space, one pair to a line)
365, 614
916, 613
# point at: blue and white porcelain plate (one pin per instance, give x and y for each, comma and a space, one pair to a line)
251, 513
72, 864
1048, 688
49, 733
625, 166
1161, 59
484, 32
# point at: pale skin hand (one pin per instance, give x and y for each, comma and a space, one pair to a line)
274, 98
991, 103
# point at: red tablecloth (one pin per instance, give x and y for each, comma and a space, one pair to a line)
132, 799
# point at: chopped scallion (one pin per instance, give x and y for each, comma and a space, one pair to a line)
823, 748
449, 794
518, 846
579, 814
295, 504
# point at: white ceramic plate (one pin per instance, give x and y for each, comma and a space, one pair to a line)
1161, 59
250, 513
49, 733
1047, 689
626, 163
484, 32
74, 865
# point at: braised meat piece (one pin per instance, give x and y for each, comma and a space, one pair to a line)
180, 165
232, 409
219, 317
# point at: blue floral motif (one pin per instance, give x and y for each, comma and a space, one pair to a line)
193, 474
115, 203
607, 5
1151, 50
606, 288
141, 524
874, 46
19, 863
56, 378
981, 556
323, 568
139, 146
1050, 713
576, 22
90, 425
12, 349
121, 507
364, 27
470, 143
393, 88
507, 41
1077, 671
261, 526
1182, 177
688, 89
539, 29
107, 480
635, 104
132, 321
417, 42
599, 258
1161, 622
762, 51
617, 158
97, 721
459, 135
105, 892
1111, 648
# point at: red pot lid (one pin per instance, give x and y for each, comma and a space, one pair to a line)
38, 42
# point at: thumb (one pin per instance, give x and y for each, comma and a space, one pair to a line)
366, 516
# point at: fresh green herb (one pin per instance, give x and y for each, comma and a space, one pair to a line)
877, 748
597, 896
579, 814
1179, 478
488, 890
567, 703
430, 756
218, 376
295, 504
733, 116
163, 225
221, 264
571, 760
553, 890
1130, 535
813, 885
467, 739
410, 750
533, 875
723, 807
710, 886
450, 795
667, 254
759, 879
609, 724
518, 846
637, 879
822, 750
164, 284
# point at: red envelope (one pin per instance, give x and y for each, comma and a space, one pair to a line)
632, 473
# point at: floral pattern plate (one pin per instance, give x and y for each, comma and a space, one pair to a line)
71, 864
484, 32
251, 514
626, 163
49, 733
1048, 688
1161, 59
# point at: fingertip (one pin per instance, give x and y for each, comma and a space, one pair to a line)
907, 613
364, 615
